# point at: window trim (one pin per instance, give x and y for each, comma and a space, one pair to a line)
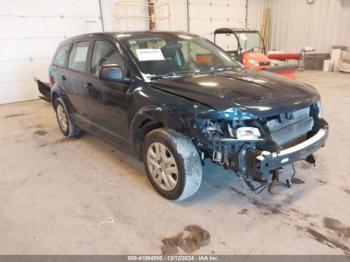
65, 65
92, 53
87, 55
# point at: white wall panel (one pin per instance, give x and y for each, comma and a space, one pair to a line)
110, 11
178, 11
78, 8
296, 24
205, 15
31, 30
255, 13
30, 33
178, 17
108, 15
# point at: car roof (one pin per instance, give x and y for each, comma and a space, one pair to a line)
230, 30
127, 35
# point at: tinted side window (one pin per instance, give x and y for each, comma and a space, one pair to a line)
104, 53
61, 56
77, 56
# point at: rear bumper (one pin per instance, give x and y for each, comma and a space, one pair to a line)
45, 90
266, 161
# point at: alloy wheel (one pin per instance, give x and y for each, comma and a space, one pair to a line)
62, 117
162, 166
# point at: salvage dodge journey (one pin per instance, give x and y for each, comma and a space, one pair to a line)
176, 99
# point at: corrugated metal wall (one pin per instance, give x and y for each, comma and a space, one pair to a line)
255, 13
296, 24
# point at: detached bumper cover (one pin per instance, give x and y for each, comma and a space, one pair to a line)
45, 90
268, 161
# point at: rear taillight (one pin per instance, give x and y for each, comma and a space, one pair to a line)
52, 80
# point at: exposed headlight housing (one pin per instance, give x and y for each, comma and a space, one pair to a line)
209, 127
228, 123
247, 133
236, 114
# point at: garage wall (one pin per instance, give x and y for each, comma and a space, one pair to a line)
178, 10
296, 24
206, 15
110, 24
29, 34
255, 13
31, 31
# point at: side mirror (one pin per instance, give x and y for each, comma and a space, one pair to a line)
111, 73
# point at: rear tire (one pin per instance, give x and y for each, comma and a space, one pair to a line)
64, 121
172, 164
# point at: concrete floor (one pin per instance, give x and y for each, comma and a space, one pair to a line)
83, 196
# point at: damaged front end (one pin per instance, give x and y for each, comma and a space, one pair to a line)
257, 147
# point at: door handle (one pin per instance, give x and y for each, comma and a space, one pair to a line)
63, 77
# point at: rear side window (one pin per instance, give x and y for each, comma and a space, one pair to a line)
61, 56
78, 55
104, 53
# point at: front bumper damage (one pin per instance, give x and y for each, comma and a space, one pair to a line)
255, 162
269, 161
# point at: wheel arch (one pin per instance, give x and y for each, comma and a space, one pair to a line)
57, 93
54, 96
147, 119
144, 121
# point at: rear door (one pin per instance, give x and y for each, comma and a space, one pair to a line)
108, 100
58, 64
74, 77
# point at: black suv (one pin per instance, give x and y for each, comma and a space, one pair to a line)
176, 99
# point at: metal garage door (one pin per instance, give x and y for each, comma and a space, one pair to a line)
207, 15
29, 34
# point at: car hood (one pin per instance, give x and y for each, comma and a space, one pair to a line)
258, 92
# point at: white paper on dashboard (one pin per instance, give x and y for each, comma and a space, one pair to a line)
149, 54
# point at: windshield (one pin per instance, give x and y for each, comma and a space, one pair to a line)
177, 54
250, 42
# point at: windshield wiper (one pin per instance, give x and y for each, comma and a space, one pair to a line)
218, 69
225, 68
171, 74
182, 74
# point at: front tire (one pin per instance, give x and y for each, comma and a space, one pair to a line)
172, 164
63, 119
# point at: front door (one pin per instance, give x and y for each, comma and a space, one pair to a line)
107, 101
